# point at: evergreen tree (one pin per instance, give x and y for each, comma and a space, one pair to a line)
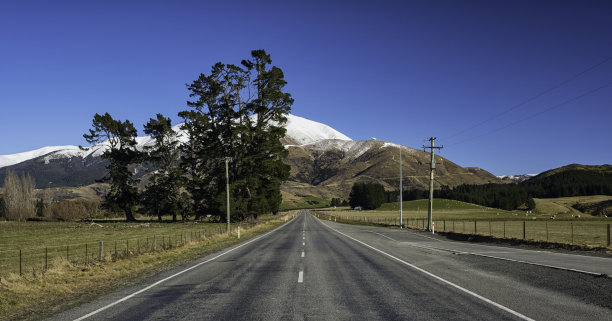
238, 112
162, 193
120, 138
367, 195
40, 207
2, 207
531, 205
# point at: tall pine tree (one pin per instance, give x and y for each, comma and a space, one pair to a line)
162, 194
121, 154
237, 112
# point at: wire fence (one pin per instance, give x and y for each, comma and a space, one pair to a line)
40, 259
582, 233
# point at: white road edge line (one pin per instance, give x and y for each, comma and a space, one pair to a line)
174, 275
302, 253
517, 314
301, 277
502, 258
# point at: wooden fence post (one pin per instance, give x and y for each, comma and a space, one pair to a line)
20, 262
68, 253
546, 231
572, 228
46, 258
608, 238
523, 230
475, 232
100, 250
86, 255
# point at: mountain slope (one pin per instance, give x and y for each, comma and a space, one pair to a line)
329, 168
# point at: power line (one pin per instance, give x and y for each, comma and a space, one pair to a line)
536, 114
530, 99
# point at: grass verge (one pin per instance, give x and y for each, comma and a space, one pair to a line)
37, 294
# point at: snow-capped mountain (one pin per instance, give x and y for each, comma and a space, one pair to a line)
300, 131
516, 178
324, 163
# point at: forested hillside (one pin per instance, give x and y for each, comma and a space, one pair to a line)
571, 180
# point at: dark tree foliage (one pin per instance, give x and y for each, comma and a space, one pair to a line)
238, 112
2, 207
336, 202
510, 196
40, 207
531, 205
121, 154
162, 195
367, 195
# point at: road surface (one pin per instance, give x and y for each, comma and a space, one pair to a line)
311, 269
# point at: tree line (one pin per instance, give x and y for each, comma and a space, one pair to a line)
572, 182
368, 196
236, 115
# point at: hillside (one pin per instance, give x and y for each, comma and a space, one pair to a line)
596, 169
330, 168
571, 180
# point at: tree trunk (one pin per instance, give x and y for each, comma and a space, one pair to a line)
128, 214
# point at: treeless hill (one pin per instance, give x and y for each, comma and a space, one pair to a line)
333, 166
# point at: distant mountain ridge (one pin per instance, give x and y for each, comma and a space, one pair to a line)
324, 163
516, 178
299, 131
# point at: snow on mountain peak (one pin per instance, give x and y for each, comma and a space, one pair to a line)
305, 131
299, 130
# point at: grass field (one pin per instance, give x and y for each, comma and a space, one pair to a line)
36, 292
443, 209
465, 218
74, 240
562, 206
43, 242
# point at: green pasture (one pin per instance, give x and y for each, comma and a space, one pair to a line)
573, 227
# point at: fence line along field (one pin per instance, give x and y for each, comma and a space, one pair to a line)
568, 227
34, 246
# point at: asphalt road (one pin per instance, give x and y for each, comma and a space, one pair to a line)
311, 269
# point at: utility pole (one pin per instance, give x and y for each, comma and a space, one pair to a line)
227, 190
431, 180
400, 189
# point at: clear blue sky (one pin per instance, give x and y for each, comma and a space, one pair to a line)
400, 71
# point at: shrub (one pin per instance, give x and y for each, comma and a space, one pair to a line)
72, 210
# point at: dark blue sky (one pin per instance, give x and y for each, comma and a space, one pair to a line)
398, 71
